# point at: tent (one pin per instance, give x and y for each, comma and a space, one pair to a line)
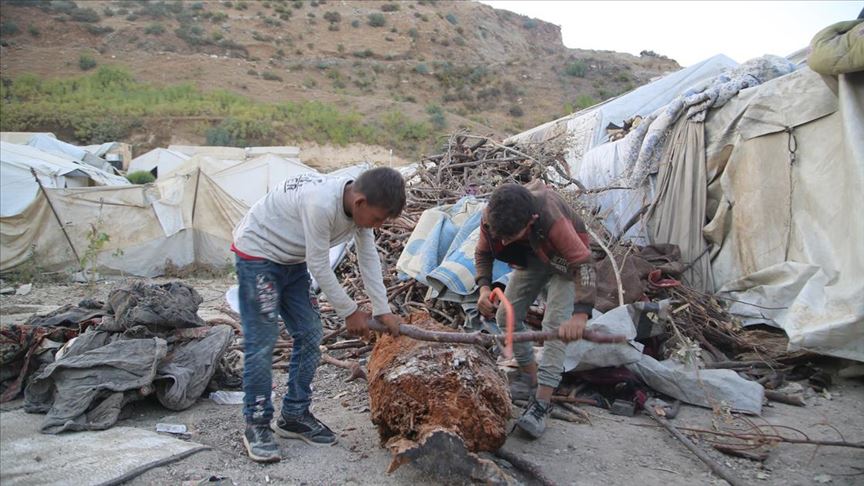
21, 138
209, 165
249, 181
18, 188
586, 129
225, 153
157, 161
51, 145
186, 219
757, 179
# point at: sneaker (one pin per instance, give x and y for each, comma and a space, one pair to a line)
521, 388
305, 427
533, 421
260, 444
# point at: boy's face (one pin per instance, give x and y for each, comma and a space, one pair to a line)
366, 216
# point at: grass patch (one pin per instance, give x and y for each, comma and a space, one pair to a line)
110, 102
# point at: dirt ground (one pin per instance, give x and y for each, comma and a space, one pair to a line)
610, 450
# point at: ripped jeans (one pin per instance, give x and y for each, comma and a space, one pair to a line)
269, 290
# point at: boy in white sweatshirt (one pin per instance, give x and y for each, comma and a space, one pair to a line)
287, 232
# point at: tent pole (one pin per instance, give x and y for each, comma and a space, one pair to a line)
195, 197
56, 216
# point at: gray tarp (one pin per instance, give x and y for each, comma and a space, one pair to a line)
705, 388
100, 372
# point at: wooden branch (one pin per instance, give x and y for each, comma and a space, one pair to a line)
776, 396
612, 261
484, 339
353, 366
715, 467
525, 466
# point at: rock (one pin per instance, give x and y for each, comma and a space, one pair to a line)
24, 289
7, 290
822, 478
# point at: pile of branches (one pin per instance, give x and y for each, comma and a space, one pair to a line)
467, 165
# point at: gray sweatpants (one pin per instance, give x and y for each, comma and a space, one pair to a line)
524, 287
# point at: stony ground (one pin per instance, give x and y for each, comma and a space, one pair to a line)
610, 450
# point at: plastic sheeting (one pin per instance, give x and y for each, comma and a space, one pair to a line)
184, 220
251, 180
18, 189
786, 227
587, 128
705, 388
163, 160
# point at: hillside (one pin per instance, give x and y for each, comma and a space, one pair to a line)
431, 66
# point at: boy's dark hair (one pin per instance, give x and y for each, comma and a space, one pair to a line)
384, 188
510, 210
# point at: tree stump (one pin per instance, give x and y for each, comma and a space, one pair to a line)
438, 404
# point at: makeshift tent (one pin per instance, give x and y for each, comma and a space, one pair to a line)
18, 188
760, 194
21, 138
58, 147
182, 220
225, 153
251, 180
287, 152
158, 161
587, 128
209, 165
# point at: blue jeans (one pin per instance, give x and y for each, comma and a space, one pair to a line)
267, 290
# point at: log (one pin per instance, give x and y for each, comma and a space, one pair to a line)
437, 400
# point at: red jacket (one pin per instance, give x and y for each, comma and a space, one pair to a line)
558, 238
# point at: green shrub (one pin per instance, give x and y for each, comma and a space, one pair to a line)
86, 62
377, 20
99, 29
451, 18
576, 69
390, 7
8, 27
271, 76
516, 111
33, 30
363, 54
140, 177
413, 33
584, 101
84, 15
108, 12
421, 69
529, 24
332, 17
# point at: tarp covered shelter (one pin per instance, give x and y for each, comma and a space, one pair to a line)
183, 220
586, 129
251, 180
18, 188
760, 193
158, 161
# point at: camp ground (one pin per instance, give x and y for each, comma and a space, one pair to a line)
722, 202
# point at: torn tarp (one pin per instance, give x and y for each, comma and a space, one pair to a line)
705, 388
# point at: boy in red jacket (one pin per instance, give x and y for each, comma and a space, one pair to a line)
534, 230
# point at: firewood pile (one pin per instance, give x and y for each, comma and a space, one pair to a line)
468, 165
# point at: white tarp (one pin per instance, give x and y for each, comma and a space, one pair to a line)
18, 189
51, 145
209, 165
787, 232
226, 153
251, 180
163, 160
184, 220
587, 129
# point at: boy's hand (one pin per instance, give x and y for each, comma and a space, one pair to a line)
572, 329
392, 321
357, 323
484, 304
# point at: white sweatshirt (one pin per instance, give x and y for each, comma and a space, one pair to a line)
300, 220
